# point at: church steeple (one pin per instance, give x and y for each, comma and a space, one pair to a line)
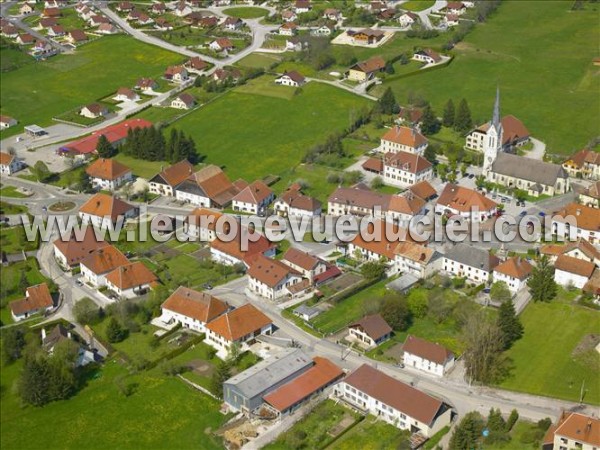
496, 116
492, 144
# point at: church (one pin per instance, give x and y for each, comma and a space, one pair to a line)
514, 171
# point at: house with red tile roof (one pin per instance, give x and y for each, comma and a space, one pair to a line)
232, 23
584, 164
304, 263
426, 356
208, 187
393, 401
107, 174
416, 259
465, 202
183, 101
573, 430
201, 224
9, 164
221, 45
56, 30
165, 182
569, 271
77, 37
131, 280
192, 309
403, 139
514, 134
94, 111
366, 70
146, 85
70, 251
125, 94
176, 74
237, 250
270, 278
576, 221
240, 326
98, 264
294, 203
514, 272
404, 169
106, 211
253, 199
196, 65
370, 331
37, 300
580, 249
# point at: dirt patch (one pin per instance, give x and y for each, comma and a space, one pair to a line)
344, 282
202, 254
341, 425
587, 343
201, 367
395, 352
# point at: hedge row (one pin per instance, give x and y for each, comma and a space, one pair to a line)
178, 351
342, 295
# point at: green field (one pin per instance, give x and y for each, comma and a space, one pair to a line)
417, 5
524, 60
544, 359
12, 191
371, 434
246, 12
36, 92
254, 135
14, 240
259, 60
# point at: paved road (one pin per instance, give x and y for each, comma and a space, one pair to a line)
538, 150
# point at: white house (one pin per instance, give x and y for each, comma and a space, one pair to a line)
254, 198
176, 74
108, 174
232, 252
93, 111
100, 263
407, 19
183, 101
572, 271
270, 278
514, 272
392, 401
165, 182
369, 331
192, 309
404, 169
427, 56
37, 300
288, 29
466, 203
573, 430
200, 224
416, 259
304, 263
403, 139
69, 252
106, 211
126, 95
293, 203
465, 261
7, 122
426, 356
576, 221
131, 280
221, 45
9, 164
292, 78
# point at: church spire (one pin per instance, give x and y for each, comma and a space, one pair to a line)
496, 116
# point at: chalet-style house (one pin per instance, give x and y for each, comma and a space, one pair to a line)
196, 65
272, 279
131, 280
410, 116
370, 331
208, 187
288, 29
515, 134
9, 164
426, 356
56, 31
304, 263
293, 203
366, 70
451, 20
221, 45
473, 264
70, 252
165, 182
366, 36
253, 199
221, 75
464, 202
589, 196
107, 174
77, 37
163, 24
176, 74
106, 211
407, 18
98, 264
289, 16
146, 85
457, 8
388, 399
332, 14
24, 39
302, 6
577, 222
37, 300
241, 325
7, 122
428, 56
583, 164
293, 78
192, 309
233, 23
126, 95
183, 101
573, 430
514, 272
403, 139
26, 8
94, 111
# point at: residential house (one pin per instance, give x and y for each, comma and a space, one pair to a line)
192, 309
573, 430
221, 45
324, 30
570, 271
10, 31
270, 278
106, 211
145, 19
386, 15
25, 39
107, 174
514, 272
9, 164
466, 261
423, 190
131, 280
426, 356
240, 326
451, 20
394, 402
589, 196
60, 334
163, 24
7, 122
124, 7
196, 65
580, 249
457, 8
288, 29
182, 10
466, 203
165, 182
126, 95
107, 28
404, 169
176, 74
245, 391
68, 253
306, 312
97, 20
51, 12
583, 164
158, 8
183, 101
289, 16
295, 44
403, 139
94, 111
254, 199
407, 18
98, 264
304, 263
26, 9
47, 22
514, 134
201, 224
76, 37
232, 75
208, 187
577, 221
370, 331
302, 6
427, 56
332, 14
293, 203
146, 85
366, 70
56, 31
292, 78
233, 252
55, 3
410, 117
233, 23
42, 48
366, 36
416, 259
37, 300
207, 22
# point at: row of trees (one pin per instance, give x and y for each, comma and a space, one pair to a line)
459, 119
150, 144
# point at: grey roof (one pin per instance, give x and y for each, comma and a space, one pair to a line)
262, 376
403, 282
471, 256
191, 187
307, 310
528, 169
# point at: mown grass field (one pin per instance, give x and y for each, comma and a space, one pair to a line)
544, 359
246, 12
253, 135
417, 5
544, 71
36, 92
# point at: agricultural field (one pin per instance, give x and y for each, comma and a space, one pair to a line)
417, 5
494, 54
68, 81
556, 354
258, 60
246, 12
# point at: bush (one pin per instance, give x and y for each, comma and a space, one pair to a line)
458, 282
115, 332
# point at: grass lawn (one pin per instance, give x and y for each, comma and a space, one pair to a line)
259, 136
11, 191
495, 54
9, 208
258, 60
12, 59
157, 114
246, 13
371, 434
141, 167
417, 5
11, 275
544, 358
163, 412
266, 86
14, 240
65, 82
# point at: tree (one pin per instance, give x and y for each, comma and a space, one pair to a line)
13, 341
372, 270
377, 182
467, 433
387, 103
34, 379
483, 356
512, 419
418, 303
85, 311
83, 183
509, 324
389, 68
220, 375
480, 181
104, 148
499, 292
463, 121
40, 171
542, 286
114, 331
394, 309
429, 123
495, 420
449, 114
430, 153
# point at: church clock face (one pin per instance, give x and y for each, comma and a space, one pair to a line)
489, 158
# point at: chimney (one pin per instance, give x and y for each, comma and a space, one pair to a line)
578, 211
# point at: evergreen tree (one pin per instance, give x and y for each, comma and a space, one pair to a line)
542, 286
41, 171
430, 153
512, 419
467, 433
83, 184
463, 121
394, 309
509, 324
34, 380
495, 421
221, 374
389, 69
169, 150
499, 292
449, 114
387, 103
114, 331
13, 341
429, 123
104, 147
